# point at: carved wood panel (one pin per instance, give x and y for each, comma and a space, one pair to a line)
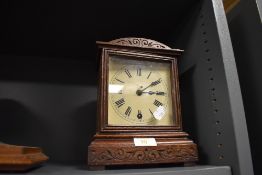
142, 155
139, 42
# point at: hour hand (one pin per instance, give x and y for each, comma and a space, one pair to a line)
157, 93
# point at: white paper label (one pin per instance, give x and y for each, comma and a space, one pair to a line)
159, 113
145, 142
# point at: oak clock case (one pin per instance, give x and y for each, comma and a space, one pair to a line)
138, 98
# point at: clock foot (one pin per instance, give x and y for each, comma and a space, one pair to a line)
96, 168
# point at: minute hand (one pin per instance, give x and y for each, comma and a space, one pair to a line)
152, 84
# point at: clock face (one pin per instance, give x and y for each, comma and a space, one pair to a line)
139, 93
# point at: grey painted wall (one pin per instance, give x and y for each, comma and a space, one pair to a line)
50, 103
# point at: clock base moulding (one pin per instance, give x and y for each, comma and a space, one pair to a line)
105, 152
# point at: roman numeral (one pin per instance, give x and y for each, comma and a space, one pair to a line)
119, 80
128, 73
160, 93
154, 83
128, 111
149, 75
158, 103
138, 72
139, 115
120, 102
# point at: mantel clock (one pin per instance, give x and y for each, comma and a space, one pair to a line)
139, 118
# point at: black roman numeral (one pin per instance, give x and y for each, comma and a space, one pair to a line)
128, 111
138, 72
120, 102
139, 114
160, 93
158, 103
149, 75
128, 73
154, 83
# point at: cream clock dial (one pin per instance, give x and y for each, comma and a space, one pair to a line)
139, 93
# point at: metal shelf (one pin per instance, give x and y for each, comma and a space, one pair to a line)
56, 169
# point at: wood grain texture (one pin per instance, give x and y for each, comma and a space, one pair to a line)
230, 4
105, 54
124, 152
20, 158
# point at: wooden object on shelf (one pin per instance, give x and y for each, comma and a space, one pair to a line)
230, 4
20, 158
138, 65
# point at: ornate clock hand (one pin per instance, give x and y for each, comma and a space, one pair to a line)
149, 92
157, 93
154, 83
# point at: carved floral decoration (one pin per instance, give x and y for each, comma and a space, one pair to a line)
146, 154
140, 42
